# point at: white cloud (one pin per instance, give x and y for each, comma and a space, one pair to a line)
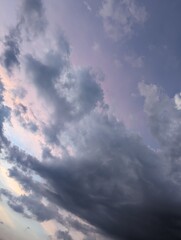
177, 99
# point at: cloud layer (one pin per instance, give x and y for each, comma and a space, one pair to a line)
93, 176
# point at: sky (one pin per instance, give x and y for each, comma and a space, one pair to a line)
90, 120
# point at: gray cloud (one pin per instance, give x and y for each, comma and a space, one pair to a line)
70, 93
121, 17
63, 235
112, 180
31, 23
20, 111
32, 17
32, 207
10, 55
4, 115
115, 182
164, 118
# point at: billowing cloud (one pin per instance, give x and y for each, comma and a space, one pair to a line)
114, 182
70, 93
93, 176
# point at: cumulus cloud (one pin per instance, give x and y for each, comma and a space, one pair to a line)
121, 17
106, 179
70, 93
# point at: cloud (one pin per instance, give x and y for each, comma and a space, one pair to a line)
114, 181
164, 118
121, 17
21, 113
31, 23
10, 55
106, 179
32, 17
177, 99
69, 93
4, 115
63, 235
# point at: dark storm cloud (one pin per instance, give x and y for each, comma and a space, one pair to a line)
112, 185
115, 183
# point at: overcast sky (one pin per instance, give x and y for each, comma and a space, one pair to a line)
90, 120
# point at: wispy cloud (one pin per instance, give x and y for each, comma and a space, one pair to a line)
120, 18
134, 61
87, 6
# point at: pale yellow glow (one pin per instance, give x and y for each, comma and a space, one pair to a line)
6, 217
50, 227
10, 183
